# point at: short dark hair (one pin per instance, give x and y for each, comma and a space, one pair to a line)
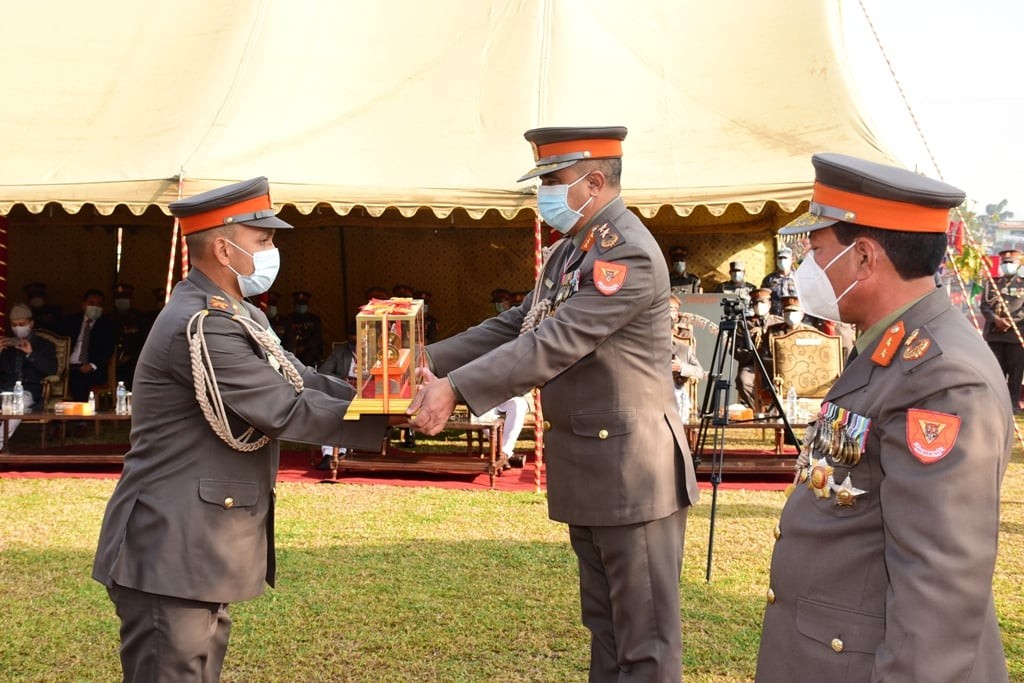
198, 241
612, 169
913, 254
94, 292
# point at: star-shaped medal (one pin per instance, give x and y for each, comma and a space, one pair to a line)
846, 493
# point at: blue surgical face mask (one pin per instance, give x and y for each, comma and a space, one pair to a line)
553, 204
265, 265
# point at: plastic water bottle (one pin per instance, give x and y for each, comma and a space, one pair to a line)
791, 402
92, 402
18, 408
121, 406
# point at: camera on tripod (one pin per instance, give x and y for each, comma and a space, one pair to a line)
736, 306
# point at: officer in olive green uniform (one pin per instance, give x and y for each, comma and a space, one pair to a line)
189, 527
1002, 305
596, 336
883, 563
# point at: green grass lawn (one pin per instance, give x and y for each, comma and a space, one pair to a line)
379, 583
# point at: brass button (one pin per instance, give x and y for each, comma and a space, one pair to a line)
778, 532
547, 425
603, 434
771, 596
837, 645
229, 502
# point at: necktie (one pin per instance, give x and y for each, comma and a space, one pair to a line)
83, 354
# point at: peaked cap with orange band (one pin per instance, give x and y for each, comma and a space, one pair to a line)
556, 148
247, 202
852, 190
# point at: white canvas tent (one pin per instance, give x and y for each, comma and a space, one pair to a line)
417, 104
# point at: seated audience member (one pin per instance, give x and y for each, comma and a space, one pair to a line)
514, 410
46, 316
93, 338
26, 357
304, 331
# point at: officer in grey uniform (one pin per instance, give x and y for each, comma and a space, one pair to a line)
1002, 305
189, 528
595, 334
884, 556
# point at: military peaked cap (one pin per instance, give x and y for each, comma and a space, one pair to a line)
761, 294
247, 202
556, 148
865, 193
1011, 254
790, 303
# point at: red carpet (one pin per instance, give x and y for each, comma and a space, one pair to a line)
296, 466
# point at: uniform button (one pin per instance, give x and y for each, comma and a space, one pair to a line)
778, 532
603, 434
837, 645
771, 596
547, 425
229, 502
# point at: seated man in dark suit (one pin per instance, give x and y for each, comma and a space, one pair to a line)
25, 357
90, 352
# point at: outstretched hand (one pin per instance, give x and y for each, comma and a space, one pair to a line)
433, 405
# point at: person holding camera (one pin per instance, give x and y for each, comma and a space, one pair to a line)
758, 319
27, 358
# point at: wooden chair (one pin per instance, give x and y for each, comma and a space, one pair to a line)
55, 387
808, 360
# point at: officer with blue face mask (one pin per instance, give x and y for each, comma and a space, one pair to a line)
1002, 305
189, 528
595, 334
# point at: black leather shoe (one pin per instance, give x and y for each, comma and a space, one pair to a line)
516, 460
325, 464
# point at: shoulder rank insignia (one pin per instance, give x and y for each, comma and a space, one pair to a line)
886, 349
218, 303
914, 348
606, 236
931, 435
609, 277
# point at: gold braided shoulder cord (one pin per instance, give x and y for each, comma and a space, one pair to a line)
205, 379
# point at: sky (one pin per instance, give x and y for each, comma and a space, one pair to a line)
961, 67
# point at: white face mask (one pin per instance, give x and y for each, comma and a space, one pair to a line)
37, 302
762, 308
737, 276
817, 297
93, 312
265, 265
1008, 268
122, 305
301, 309
783, 264
21, 331
679, 267
271, 311
794, 318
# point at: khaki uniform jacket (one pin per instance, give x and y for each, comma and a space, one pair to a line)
191, 517
616, 448
898, 586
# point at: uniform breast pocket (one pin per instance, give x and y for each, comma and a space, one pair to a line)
839, 643
603, 425
229, 494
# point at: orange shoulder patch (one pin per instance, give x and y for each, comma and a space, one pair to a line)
609, 277
886, 349
931, 435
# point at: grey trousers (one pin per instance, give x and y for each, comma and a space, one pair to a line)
629, 598
165, 639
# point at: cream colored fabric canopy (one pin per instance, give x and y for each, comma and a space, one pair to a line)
404, 104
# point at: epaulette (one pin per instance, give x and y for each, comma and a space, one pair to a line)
918, 348
215, 303
604, 236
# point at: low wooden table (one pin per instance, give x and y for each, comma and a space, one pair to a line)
58, 454
482, 454
742, 461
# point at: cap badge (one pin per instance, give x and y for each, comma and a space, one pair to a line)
609, 277
931, 435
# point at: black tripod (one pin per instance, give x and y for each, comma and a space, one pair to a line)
714, 413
